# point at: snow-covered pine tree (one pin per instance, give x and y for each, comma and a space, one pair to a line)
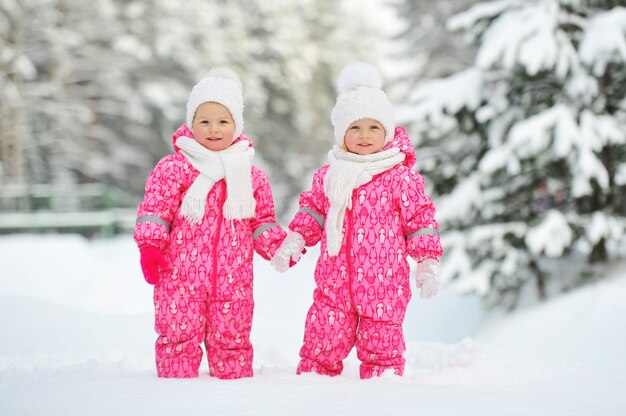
526, 149
76, 112
278, 63
289, 63
169, 47
15, 69
427, 49
91, 92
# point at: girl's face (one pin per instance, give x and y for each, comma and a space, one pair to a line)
365, 137
213, 126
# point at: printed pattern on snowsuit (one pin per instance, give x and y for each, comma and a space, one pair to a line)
206, 295
362, 294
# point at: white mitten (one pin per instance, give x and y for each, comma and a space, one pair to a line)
289, 252
426, 278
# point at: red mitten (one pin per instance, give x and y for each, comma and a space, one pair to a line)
151, 261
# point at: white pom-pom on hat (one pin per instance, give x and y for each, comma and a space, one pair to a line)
360, 96
359, 74
224, 72
221, 85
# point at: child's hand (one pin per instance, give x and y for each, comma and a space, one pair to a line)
151, 261
289, 252
426, 278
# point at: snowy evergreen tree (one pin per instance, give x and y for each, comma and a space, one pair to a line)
289, 62
526, 149
91, 92
68, 75
426, 48
15, 69
169, 51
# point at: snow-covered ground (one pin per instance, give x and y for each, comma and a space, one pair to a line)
77, 339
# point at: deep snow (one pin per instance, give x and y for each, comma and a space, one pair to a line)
78, 340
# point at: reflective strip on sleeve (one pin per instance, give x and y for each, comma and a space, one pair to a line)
315, 215
423, 231
153, 218
263, 228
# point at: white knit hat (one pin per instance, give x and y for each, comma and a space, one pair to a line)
223, 86
360, 97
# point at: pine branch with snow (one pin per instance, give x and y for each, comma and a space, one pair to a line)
528, 147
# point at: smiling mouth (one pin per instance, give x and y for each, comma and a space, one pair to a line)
214, 139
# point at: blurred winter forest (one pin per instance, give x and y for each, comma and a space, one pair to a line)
516, 108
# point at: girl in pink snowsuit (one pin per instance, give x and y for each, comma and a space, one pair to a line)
369, 210
205, 211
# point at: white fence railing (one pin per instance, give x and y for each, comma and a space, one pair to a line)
87, 209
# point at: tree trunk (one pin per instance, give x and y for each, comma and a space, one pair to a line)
540, 279
599, 252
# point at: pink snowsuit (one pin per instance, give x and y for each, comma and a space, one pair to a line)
206, 296
362, 297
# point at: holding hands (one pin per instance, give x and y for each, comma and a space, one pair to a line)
289, 252
426, 278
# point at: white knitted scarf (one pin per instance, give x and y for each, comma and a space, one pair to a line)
347, 172
233, 164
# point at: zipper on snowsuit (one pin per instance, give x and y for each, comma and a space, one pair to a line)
214, 254
348, 236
